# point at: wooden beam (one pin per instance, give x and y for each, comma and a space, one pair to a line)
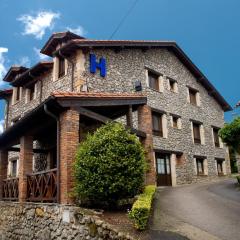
103, 119
97, 102
15, 149
93, 115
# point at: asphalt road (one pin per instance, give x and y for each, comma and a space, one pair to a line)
210, 211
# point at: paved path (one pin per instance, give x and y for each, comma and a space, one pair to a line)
199, 211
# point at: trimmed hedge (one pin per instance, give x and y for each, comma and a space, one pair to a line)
141, 209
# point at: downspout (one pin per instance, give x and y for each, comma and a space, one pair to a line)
72, 63
58, 149
7, 113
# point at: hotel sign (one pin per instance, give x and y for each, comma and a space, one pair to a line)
95, 65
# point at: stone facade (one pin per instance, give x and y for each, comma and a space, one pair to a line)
46, 221
123, 69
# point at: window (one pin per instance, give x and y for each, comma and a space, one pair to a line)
31, 92
157, 124
200, 166
175, 122
216, 137
153, 81
172, 85
196, 132
17, 94
193, 96
13, 168
61, 70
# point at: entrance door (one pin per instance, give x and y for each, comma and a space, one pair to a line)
163, 170
220, 167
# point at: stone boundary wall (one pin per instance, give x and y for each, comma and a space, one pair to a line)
52, 221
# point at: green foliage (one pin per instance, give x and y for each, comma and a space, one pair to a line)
230, 134
238, 179
109, 166
141, 209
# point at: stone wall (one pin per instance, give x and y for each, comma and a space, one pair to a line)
48, 221
127, 66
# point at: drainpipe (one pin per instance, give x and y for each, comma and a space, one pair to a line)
72, 63
7, 112
58, 149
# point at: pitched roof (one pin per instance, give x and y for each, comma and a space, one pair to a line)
58, 38
13, 72
32, 72
4, 93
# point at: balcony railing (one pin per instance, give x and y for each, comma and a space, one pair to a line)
42, 186
10, 189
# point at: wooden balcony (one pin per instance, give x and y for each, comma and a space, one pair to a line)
42, 186
10, 189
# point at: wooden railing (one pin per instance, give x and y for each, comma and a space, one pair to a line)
42, 186
10, 189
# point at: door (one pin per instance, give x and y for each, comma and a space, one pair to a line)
220, 167
163, 170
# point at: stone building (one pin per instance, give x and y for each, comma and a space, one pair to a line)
151, 86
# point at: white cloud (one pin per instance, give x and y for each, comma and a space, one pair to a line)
40, 56
36, 25
24, 61
3, 69
78, 30
1, 126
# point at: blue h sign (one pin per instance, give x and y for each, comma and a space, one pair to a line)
94, 65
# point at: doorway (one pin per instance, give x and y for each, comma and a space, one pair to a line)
163, 167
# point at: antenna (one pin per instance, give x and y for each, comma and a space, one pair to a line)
124, 18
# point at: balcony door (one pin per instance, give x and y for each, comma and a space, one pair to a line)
163, 170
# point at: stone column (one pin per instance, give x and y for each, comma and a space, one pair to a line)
25, 165
3, 169
69, 140
145, 124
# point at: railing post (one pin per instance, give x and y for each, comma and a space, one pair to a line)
25, 165
3, 169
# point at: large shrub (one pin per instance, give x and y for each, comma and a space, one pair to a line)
230, 134
109, 165
141, 209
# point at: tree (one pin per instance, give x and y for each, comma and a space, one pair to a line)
109, 166
230, 134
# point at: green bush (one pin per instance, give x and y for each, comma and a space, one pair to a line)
238, 179
109, 166
141, 209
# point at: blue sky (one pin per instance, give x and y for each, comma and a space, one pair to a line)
208, 31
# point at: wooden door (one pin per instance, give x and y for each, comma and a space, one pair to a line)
163, 170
